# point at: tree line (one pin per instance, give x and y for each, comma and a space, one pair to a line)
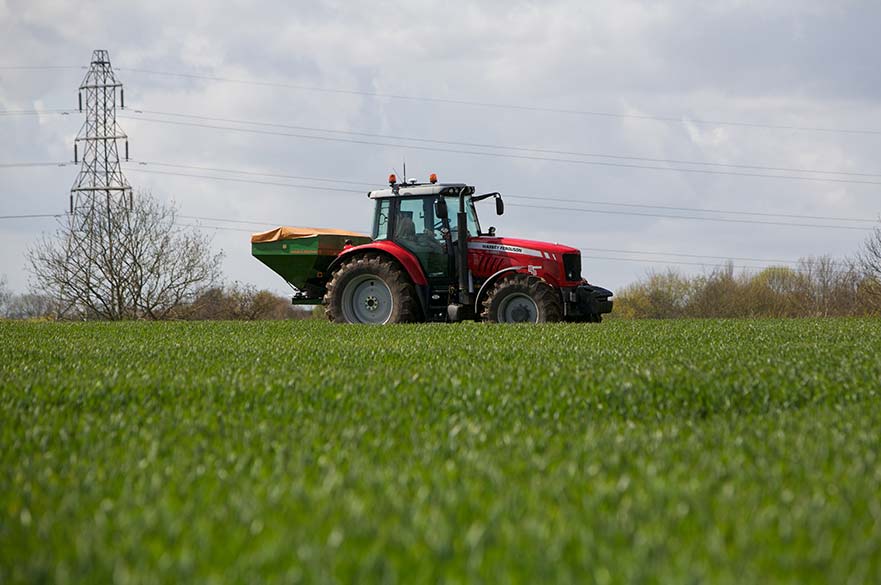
815, 287
233, 301
129, 258
123, 259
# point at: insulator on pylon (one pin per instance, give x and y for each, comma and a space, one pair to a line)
122, 99
71, 203
126, 150
76, 157
81, 101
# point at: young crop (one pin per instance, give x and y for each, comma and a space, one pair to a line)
658, 451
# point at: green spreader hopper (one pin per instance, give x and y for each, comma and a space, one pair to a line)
301, 256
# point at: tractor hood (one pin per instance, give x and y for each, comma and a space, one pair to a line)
518, 246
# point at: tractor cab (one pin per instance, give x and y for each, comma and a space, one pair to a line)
415, 216
436, 223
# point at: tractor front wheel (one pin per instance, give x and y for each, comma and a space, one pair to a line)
521, 298
370, 289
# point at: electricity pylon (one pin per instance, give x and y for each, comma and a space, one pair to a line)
100, 172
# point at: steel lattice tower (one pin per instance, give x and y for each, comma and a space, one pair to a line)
100, 172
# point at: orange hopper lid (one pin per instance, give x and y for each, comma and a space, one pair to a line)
295, 233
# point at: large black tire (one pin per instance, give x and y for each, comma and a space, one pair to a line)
521, 298
370, 288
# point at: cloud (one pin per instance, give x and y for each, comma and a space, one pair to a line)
787, 63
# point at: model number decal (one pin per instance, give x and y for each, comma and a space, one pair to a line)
505, 248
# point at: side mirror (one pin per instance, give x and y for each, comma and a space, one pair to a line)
440, 208
500, 205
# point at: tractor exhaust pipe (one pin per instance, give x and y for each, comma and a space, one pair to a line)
462, 251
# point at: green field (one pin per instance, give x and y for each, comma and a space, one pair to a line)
285, 452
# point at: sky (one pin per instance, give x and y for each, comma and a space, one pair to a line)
716, 97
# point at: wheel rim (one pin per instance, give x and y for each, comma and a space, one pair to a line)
367, 299
518, 308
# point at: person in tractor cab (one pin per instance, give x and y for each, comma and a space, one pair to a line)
419, 238
406, 229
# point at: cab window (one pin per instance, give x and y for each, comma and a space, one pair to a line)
470, 215
381, 219
417, 230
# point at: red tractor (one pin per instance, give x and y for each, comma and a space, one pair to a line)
424, 263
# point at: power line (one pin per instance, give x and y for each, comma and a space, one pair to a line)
240, 221
227, 220
213, 227
545, 207
474, 144
243, 222
495, 105
504, 155
463, 102
580, 248
219, 227
33, 164
681, 255
249, 181
588, 257
682, 263
693, 209
798, 270
253, 173
526, 197
31, 216
503, 147
38, 67
538, 197
719, 219
63, 112
585, 256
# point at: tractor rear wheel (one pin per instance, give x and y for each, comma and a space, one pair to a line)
370, 289
521, 298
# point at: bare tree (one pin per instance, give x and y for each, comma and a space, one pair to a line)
869, 259
31, 306
123, 259
832, 286
4, 295
240, 301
